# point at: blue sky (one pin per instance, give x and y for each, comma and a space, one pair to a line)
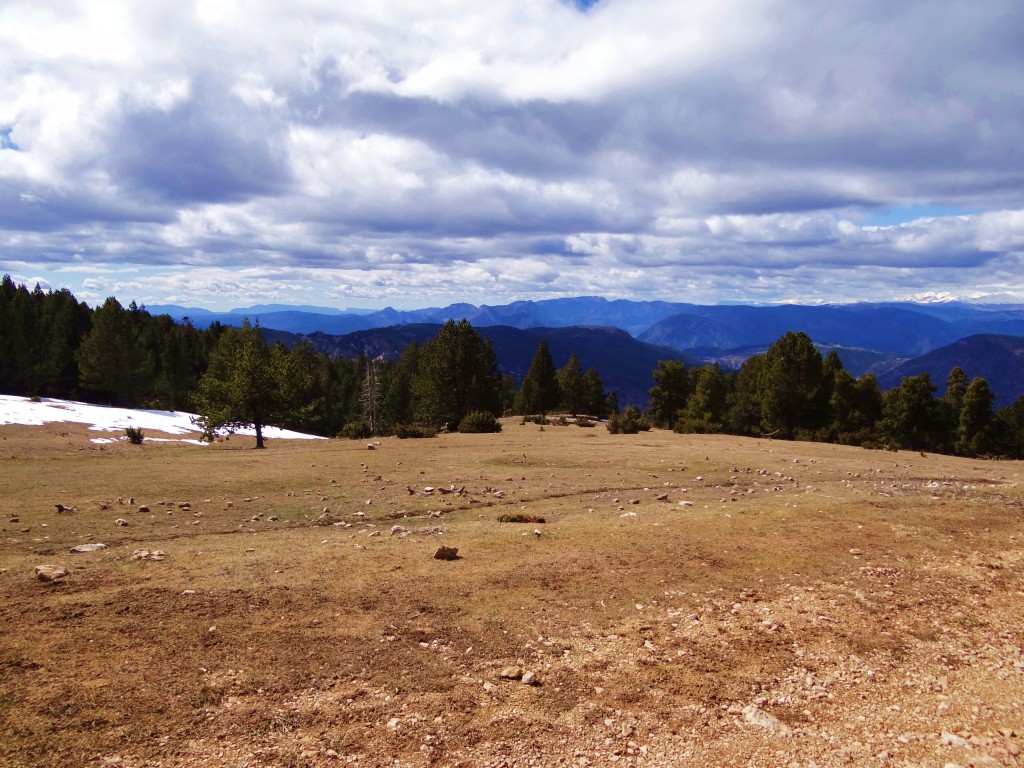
221, 153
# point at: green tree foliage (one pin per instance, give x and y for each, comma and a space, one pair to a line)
113, 359
911, 416
669, 393
572, 384
539, 392
244, 385
792, 387
39, 334
629, 422
976, 432
476, 422
744, 401
1010, 430
400, 402
705, 409
856, 406
457, 373
596, 403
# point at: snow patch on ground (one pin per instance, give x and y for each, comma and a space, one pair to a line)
22, 410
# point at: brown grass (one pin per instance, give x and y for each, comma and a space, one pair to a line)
306, 641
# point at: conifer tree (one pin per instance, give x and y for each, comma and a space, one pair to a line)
113, 358
539, 392
241, 388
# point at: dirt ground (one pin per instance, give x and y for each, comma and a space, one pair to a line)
687, 601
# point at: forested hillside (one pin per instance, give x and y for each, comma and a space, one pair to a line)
52, 345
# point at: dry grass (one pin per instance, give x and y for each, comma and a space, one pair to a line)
868, 600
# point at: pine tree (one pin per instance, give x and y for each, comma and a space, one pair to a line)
241, 388
572, 384
974, 433
113, 358
669, 393
704, 412
792, 392
457, 374
539, 392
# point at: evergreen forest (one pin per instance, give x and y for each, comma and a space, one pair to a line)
52, 345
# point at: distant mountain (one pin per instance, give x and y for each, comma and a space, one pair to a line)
997, 359
881, 328
624, 364
894, 328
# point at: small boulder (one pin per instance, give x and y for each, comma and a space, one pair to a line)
529, 678
143, 508
121, 521
757, 716
447, 553
84, 548
512, 673
49, 572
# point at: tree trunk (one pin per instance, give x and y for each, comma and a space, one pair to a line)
259, 435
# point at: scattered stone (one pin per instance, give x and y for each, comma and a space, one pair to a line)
446, 553
148, 554
529, 678
371, 447
273, 518
61, 508
375, 533
757, 716
511, 673
143, 508
121, 522
49, 572
83, 548
397, 529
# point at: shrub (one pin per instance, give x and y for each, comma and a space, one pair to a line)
415, 430
519, 517
562, 421
583, 421
629, 422
356, 430
35, 399
134, 435
479, 421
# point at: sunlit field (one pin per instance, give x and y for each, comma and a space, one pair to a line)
686, 600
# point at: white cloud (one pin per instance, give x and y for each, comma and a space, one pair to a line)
455, 148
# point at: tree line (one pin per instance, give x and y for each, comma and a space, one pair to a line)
52, 345
792, 392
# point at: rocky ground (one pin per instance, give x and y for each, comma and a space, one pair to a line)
762, 604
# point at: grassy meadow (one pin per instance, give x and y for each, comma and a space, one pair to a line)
688, 600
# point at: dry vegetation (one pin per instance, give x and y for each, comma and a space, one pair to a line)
688, 601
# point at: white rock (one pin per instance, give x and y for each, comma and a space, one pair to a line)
83, 548
757, 716
47, 572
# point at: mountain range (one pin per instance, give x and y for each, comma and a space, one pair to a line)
623, 340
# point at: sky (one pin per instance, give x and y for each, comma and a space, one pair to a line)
371, 153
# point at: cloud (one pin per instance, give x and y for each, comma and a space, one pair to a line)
401, 150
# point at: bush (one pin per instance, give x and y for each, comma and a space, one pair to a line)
415, 430
583, 421
520, 517
356, 430
134, 435
535, 420
35, 399
629, 422
479, 421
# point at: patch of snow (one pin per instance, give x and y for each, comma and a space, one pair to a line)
22, 410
